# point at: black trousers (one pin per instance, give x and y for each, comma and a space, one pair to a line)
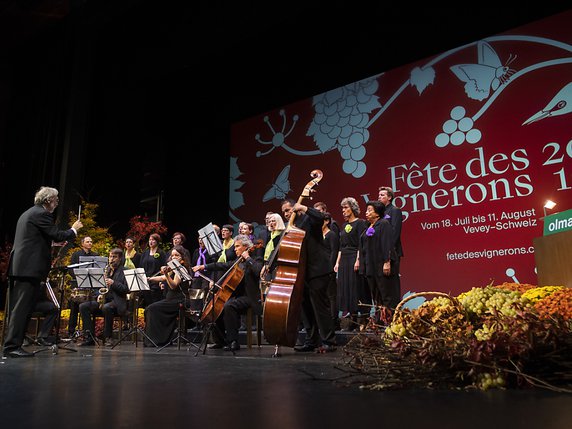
86, 309
316, 313
74, 312
24, 292
385, 289
233, 308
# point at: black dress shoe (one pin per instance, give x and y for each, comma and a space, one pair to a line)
234, 346
87, 343
327, 348
305, 348
43, 342
216, 346
19, 353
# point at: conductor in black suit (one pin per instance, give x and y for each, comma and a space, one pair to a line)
30, 263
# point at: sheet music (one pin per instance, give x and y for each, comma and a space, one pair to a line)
210, 239
136, 279
180, 270
98, 261
89, 278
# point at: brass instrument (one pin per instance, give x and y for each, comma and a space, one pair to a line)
107, 272
79, 295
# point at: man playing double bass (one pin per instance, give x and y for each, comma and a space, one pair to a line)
246, 292
320, 329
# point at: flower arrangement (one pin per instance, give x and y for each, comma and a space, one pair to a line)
140, 227
504, 336
156, 255
141, 317
348, 228
370, 231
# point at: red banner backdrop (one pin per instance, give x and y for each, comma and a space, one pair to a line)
473, 142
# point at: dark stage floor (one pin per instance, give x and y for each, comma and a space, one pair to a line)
140, 388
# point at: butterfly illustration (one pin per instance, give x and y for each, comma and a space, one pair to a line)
488, 74
280, 187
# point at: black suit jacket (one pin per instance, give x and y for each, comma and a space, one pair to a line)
31, 254
118, 291
317, 256
395, 218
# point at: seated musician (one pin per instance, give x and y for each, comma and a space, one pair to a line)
161, 316
110, 304
246, 293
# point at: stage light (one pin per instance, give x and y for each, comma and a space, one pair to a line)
549, 204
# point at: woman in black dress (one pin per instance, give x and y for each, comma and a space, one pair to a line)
352, 287
161, 316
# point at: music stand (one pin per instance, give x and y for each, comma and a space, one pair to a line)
52, 296
93, 279
61, 272
210, 239
211, 327
96, 261
137, 282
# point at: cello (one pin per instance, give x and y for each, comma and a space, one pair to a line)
283, 303
232, 278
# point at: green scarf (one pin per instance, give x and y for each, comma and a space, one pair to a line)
222, 257
270, 245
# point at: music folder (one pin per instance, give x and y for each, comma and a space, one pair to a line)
210, 239
89, 278
97, 261
136, 279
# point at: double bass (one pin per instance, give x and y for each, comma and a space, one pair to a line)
283, 303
